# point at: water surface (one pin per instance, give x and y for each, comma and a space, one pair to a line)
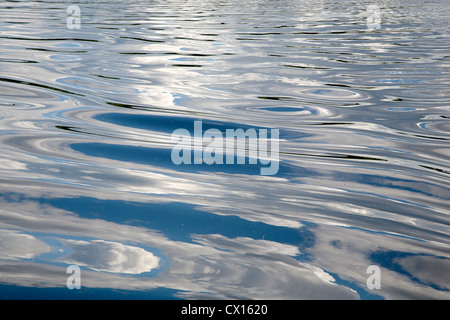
86, 176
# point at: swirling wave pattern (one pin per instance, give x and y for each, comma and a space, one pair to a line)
86, 175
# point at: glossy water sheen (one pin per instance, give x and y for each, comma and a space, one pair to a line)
86, 177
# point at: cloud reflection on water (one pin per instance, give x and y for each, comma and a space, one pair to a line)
360, 183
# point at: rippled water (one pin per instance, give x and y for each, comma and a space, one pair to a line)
86, 176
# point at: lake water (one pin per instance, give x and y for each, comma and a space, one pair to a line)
358, 207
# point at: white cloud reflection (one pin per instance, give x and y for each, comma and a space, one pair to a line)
334, 247
16, 245
100, 255
213, 265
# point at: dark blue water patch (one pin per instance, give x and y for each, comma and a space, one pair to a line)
168, 124
165, 124
12, 292
162, 157
178, 221
401, 109
389, 260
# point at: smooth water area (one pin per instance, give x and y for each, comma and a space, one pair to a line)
87, 178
